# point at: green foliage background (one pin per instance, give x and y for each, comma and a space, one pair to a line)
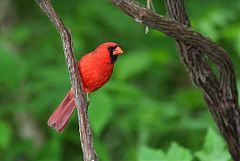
149, 111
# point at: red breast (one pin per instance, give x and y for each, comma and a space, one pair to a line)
96, 67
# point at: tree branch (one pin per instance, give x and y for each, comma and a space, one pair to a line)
89, 153
220, 92
197, 67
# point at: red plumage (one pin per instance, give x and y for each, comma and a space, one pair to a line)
95, 70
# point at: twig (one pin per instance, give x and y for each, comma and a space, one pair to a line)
150, 6
89, 153
220, 93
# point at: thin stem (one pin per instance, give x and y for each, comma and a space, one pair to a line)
86, 139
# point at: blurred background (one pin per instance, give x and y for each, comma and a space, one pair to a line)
149, 110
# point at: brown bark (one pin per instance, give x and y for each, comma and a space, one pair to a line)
89, 153
220, 92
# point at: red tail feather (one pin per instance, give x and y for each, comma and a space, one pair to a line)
59, 119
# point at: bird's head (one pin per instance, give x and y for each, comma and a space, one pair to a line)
110, 51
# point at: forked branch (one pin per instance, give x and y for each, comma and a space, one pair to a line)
220, 92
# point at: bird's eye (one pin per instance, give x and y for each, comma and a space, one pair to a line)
111, 48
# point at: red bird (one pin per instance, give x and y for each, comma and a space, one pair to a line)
95, 69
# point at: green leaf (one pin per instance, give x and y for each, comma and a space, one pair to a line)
51, 150
124, 88
11, 69
190, 98
148, 154
20, 34
178, 153
174, 153
5, 135
100, 111
237, 42
134, 63
214, 148
214, 19
101, 149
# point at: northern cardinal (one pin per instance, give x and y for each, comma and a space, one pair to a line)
95, 69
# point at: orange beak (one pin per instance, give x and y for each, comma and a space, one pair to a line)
117, 51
